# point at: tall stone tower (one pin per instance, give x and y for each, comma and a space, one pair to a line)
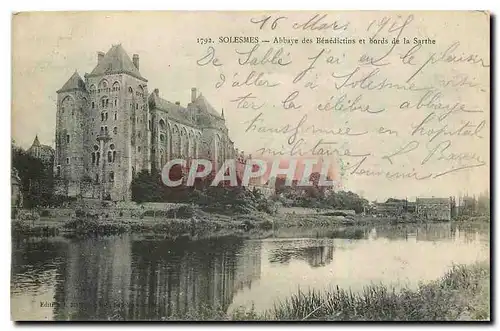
106, 118
72, 113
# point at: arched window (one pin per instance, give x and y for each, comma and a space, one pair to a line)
116, 87
103, 84
93, 158
58, 171
102, 117
130, 90
133, 172
140, 91
162, 137
97, 178
162, 124
162, 158
115, 130
67, 160
93, 105
139, 134
111, 176
111, 153
98, 157
67, 104
106, 116
115, 115
92, 89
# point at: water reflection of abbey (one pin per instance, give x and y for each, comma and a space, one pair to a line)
118, 278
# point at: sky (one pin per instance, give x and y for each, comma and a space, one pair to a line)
49, 47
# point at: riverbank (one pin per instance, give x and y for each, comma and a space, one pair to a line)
193, 222
462, 294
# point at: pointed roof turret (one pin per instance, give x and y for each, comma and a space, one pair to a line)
75, 82
116, 61
36, 142
222, 112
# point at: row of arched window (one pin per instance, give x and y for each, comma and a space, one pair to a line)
96, 157
104, 116
111, 177
104, 87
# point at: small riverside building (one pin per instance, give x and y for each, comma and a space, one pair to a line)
439, 209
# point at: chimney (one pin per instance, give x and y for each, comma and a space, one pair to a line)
178, 103
100, 56
193, 94
135, 59
156, 91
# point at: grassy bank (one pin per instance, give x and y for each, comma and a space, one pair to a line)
462, 294
193, 223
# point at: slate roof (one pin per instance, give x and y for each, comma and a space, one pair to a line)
36, 142
75, 82
433, 200
116, 61
177, 112
46, 149
204, 105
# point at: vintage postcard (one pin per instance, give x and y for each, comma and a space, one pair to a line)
252, 165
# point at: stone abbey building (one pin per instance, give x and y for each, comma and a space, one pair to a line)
109, 127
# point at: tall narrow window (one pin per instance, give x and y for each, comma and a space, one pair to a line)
98, 156
115, 102
67, 138
115, 130
93, 104
111, 176
115, 116
106, 116
58, 171
93, 158
105, 130
67, 160
114, 156
110, 157
97, 178
102, 117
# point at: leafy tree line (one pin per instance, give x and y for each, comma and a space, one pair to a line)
148, 187
316, 196
37, 183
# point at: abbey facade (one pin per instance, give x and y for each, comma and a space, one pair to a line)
109, 127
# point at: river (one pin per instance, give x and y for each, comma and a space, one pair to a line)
134, 277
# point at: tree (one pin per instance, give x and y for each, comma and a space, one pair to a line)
36, 178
